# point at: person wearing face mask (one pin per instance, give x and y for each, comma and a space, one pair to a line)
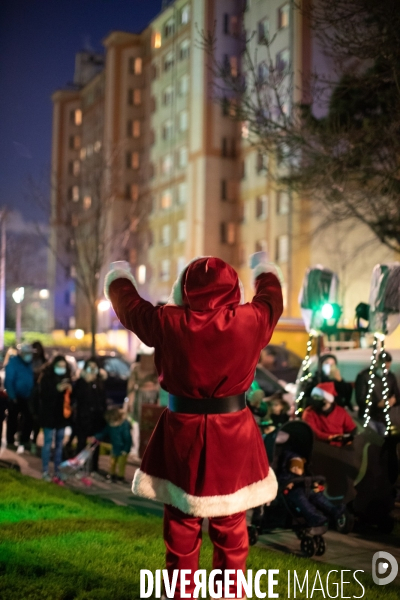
329, 422
328, 371
19, 383
89, 401
376, 410
54, 387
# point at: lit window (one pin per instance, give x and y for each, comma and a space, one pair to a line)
169, 27
282, 61
182, 193
89, 150
168, 96
166, 235
166, 199
181, 231
87, 202
165, 269
185, 15
75, 193
72, 322
82, 153
282, 248
261, 162
283, 16
72, 271
78, 117
167, 130
133, 191
282, 202
136, 129
261, 207
137, 66
183, 121
184, 85
141, 274
233, 64
184, 50
167, 164
97, 146
183, 156
245, 130
157, 40
135, 160
75, 142
227, 232
263, 31
76, 167
168, 61
137, 97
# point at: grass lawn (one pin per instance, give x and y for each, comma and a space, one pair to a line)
56, 544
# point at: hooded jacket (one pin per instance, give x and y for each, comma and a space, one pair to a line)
207, 345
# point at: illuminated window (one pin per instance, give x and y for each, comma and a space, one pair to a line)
261, 207
75, 167
132, 160
245, 130
184, 50
78, 116
97, 146
261, 162
282, 202
166, 235
227, 233
183, 121
137, 97
136, 129
141, 274
135, 65
185, 15
132, 191
75, 193
283, 16
82, 153
182, 193
181, 231
166, 199
87, 202
75, 142
180, 265
72, 271
184, 85
233, 64
282, 248
168, 61
165, 269
72, 322
157, 40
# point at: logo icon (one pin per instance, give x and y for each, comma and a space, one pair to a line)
381, 561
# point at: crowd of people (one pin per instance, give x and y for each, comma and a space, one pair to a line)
40, 394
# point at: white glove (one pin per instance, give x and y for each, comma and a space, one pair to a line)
120, 265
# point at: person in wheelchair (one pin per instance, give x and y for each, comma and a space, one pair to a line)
304, 493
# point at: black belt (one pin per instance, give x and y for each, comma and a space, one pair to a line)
207, 406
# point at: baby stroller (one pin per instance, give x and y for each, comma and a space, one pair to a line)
80, 465
294, 437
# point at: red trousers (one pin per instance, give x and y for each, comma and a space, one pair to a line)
182, 537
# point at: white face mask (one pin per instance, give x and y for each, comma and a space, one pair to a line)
326, 368
60, 370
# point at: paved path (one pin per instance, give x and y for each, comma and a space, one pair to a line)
348, 551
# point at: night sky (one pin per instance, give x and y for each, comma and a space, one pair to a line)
38, 42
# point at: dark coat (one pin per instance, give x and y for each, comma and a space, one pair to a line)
19, 379
119, 436
51, 401
89, 401
376, 413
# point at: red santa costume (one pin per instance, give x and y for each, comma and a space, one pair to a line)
205, 457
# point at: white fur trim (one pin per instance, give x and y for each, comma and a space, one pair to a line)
323, 394
268, 268
117, 274
164, 491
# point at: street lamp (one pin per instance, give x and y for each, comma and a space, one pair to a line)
18, 296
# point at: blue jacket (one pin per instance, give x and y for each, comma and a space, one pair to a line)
120, 437
19, 378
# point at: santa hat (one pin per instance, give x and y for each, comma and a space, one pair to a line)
324, 391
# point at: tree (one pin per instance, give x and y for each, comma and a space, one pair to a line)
339, 143
86, 228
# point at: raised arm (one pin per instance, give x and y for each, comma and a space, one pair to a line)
268, 299
135, 313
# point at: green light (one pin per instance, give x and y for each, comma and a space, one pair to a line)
327, 311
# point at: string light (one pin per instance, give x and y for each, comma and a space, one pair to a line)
371, 383
305, 372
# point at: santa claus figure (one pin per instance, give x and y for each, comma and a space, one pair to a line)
206, 457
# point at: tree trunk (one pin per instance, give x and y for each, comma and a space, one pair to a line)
93, 327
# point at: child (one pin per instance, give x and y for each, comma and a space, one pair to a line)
304, 493
278, 409
118, 430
